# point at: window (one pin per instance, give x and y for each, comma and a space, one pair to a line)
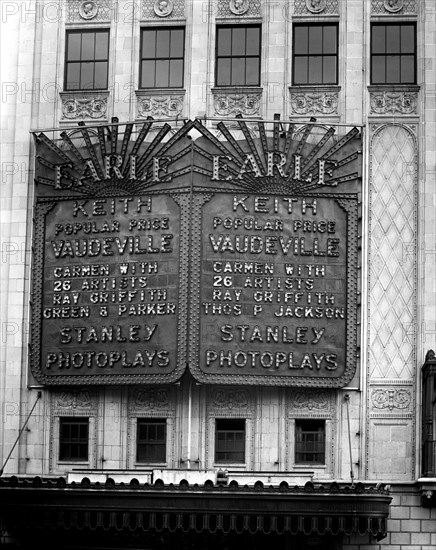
238, 56
315, 54
310, 441
393, 53
87, 60
73, 439
230, 440
162, 55
151, 440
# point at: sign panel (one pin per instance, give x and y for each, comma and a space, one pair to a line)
109, 291
278, 288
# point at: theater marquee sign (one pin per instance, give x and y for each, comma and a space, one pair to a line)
233, 254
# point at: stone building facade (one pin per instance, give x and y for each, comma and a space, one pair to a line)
302, 67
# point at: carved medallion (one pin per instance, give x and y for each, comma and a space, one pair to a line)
151, 399
160, 106
311, 400
230, 399
391, 399
393, 5
394, 103
316, 6
239, 7
73, 399
237, 104
163, 8
88, 10
88, 107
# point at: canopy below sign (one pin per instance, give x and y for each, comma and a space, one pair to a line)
329, 509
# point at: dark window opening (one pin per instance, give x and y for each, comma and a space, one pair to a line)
315, 54
230, 440
238, 55
310, 441
73, 439
393, 53
151, 440
87, 60
162, 57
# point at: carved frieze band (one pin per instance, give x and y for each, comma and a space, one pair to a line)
150, 399
162, 9
80, 11
73, 399
230, 104
322, 102
79, 106
238, 8
393, 103
309, 401
316, 7
394, 7
393, 400
160, 106
229, 399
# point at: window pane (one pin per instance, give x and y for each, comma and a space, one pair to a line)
408, 69
163, 43
162, 73
252, 69
407, 39
315, 70
301, 35
101, 45
223, 72
378, 44
378, 70
149, 43
238, 71
329, 39
329, 70
176, 73
224, 41
73, 46
147, 74
253, 41
315, 40
300, 70
238, 41
100, 81
393, 69
392, 39
88, 39
87, 76
177, 43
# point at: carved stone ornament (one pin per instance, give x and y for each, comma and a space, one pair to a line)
237, 104
230, 399
84, 107
163, 8
239, 7
324, 103
316, 6
394, 103
151, 399
393, 5
75, 399
311, 400
391, 399
88, 10
169, 106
